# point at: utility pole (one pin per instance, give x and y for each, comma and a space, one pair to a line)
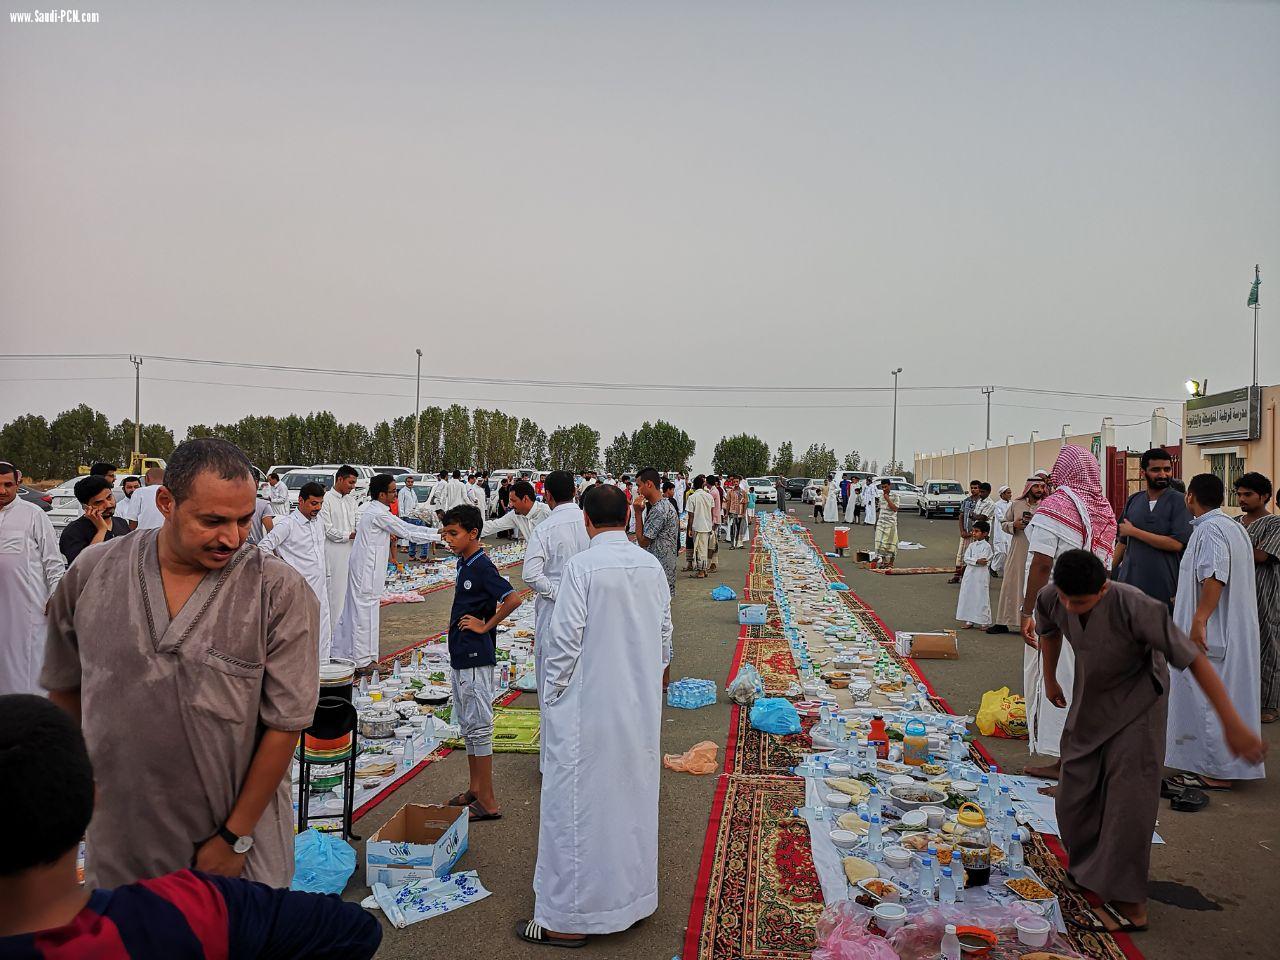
137, 404
987, 392
893, 449
1255, 302
417, 415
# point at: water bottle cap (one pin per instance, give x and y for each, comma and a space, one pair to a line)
927, 861
985, 778
875, 818
946, 872
951, 928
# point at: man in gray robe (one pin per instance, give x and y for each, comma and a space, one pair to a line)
190, 659
1154, 529
1113, 741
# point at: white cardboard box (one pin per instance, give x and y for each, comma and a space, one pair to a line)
420, 842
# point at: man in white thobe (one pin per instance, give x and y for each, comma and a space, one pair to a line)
831, 509
1000, 539
597, 867
356, 635
453, 494
526, 513
1217, 606
141, 510
478, 495
277, 495
681, 486
338, 516
31, 565
561, 536
299, 541
869, 492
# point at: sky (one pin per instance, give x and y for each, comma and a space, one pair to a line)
759, 196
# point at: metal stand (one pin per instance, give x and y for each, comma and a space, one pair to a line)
334, 718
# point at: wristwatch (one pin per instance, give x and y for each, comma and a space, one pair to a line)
240, 845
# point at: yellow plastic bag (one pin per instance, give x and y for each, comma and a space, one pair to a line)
1002, 714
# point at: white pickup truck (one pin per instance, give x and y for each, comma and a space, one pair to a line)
940, 498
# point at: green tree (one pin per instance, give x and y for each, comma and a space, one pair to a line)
818, 461
157, 441
852, 460
573, 448
457, 449
784, 463
617, 455
431, 439
661, 445
480, 420
531, 441
25, 442
383, 450
78, 437
503, 450
744, 454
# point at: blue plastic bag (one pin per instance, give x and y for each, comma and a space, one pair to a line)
723, 593
837, 586
322, 862
775, 715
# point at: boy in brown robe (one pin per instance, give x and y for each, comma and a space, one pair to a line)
1113, 741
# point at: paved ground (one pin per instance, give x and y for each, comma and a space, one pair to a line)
1220, 864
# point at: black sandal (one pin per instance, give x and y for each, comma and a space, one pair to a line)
531, 932
1193, 781
479, 813
464, 799
1095, 924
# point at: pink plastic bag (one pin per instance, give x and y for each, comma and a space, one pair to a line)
843, 935
700, 758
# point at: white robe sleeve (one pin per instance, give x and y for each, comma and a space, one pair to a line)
535, 569
51, 558
568, 625
278, 534
505, 522
406, 531
331, 531
666, 626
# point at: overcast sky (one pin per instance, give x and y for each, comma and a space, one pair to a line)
1063, 196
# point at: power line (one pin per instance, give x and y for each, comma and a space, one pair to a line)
584, 384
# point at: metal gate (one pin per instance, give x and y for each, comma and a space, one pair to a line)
1124, 477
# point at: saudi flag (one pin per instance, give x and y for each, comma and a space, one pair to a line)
1253, 290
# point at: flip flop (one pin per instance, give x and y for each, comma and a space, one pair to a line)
1190, 800
531, 932
464, 799
1094, 923
1195, 781
479, 813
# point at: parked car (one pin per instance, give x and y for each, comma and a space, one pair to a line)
38, 497
394, 471
941, 498
64, 507
325, 476
907, 494
763, 488
795, 487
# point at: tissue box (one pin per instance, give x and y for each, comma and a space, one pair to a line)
752, 614
928, 646
420, 842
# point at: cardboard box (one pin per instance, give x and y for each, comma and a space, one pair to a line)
928, 646
420, 842
863, 556
752, 614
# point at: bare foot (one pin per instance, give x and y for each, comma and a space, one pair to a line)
1049, 771
1049, 791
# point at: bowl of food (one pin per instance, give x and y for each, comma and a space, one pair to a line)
916, 796
915, 820
844, 839
432, 696
885, 891
898, 857
890, 917
976, 942
840, 801
1033, 931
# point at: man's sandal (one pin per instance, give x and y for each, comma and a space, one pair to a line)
464, 799
479, 813
1094, 923
531, 932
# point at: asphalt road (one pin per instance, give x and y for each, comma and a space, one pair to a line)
1218, 864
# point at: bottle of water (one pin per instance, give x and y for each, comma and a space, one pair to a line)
947, 893
956, 754
875, 840
364, 686
375, 679
824, 717
841, 728
950, 944
1009, 826
875, 802
1015, 854
395, 668
869, 754
410, 753
984, 792
1003, 799
929, 878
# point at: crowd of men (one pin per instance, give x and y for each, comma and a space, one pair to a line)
186, 660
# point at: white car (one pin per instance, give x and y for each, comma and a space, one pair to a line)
941, 498
907, 494
296, 479
66, 508
763, 488
394, 471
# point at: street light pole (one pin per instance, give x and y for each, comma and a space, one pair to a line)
137, 404
893, 449
417, 415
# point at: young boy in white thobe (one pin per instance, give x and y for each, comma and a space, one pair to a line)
597, 869
298, 540
973, 609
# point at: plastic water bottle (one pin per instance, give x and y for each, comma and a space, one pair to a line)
1015, 854
364, 686
957, 749
876, 802
824, 717
410, 753
984, 792
375, 679
1008, 827
950, 944
842, 732
395, 668
1003, 799
947, 895
929, 878
875, 840
869, 754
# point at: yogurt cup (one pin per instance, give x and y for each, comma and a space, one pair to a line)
934, 815
1032, 931
890, 916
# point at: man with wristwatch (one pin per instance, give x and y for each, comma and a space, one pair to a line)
191, 660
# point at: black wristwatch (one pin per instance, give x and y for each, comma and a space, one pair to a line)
240, 845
